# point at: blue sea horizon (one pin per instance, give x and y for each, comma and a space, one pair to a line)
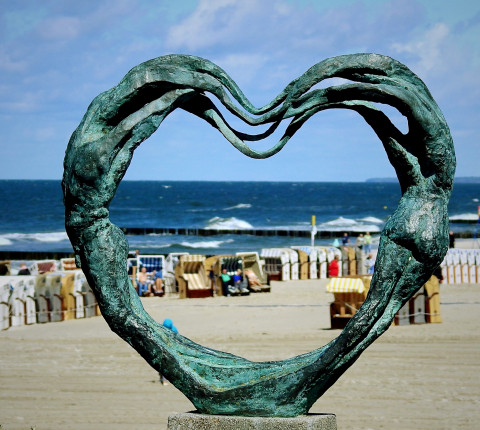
32, 215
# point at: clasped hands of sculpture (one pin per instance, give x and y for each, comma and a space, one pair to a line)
413, 242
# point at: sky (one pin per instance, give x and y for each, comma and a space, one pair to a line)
56, 56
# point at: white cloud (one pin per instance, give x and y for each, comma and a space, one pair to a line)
53, 63
429, 49
291, 33
242, 67
210, 23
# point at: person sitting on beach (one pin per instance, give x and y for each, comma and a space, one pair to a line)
157, 286
226, 282
240, 283
4, 270
254, 283
142, 283
333, 268
23, 270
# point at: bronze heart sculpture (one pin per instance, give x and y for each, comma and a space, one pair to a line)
413, 242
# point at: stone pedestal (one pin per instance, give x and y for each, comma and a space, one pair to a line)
196, 421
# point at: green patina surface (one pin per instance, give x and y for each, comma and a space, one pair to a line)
412, 245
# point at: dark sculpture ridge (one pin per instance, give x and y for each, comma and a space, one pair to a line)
413, 242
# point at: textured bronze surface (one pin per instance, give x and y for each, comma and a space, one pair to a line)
413, 242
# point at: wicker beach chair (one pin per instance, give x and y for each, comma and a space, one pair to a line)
252, 262
349, 294
5, 291
191, 277
308, 260
68, 264
277, 263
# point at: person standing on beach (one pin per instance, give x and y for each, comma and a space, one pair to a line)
368, 243
451, 237
333, 268
211, 277
370, 264
360, 241
345, 239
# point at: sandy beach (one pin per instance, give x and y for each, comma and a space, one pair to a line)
79, 375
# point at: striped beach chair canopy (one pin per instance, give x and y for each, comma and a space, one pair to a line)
345, 285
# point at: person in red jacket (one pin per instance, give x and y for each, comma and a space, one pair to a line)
333, 267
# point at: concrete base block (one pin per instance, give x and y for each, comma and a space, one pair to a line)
196, 421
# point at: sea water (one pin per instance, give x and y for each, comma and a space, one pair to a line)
32, 213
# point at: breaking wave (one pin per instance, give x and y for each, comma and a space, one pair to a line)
371, 220
4, 241
464, 218
217, 223
9, 238
370, 224
208, 244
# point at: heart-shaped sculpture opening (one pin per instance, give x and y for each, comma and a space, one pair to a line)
413, 242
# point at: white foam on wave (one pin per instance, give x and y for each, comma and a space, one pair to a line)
464, 217
239, 206
366, 224
340, 222
371, 220
155, 245
217, 223
359, 228
50, 237
205, 244
4, 241
58, 236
